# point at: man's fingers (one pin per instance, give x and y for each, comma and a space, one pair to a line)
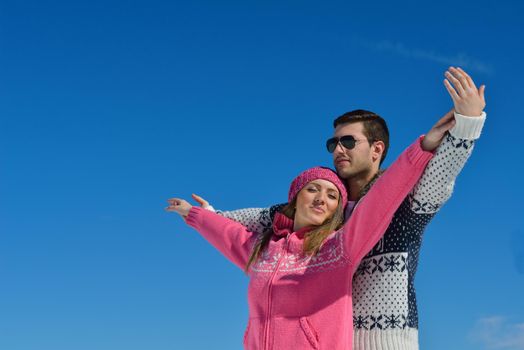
451, 90
470, 81
452, 77
481, 93
461, 76
200, 200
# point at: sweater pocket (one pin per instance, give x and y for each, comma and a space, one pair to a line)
293, 333
309, 332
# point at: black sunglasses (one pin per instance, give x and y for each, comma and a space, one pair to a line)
347, 141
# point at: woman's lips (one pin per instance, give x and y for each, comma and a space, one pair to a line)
318, 210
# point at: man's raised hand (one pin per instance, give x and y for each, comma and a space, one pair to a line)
468, 100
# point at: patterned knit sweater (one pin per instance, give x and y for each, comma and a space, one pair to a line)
299, 301
385, 315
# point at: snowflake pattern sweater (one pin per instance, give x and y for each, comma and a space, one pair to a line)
385, 315
298, 301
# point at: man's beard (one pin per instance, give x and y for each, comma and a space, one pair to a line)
353, 172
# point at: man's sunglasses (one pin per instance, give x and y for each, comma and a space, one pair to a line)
347, 142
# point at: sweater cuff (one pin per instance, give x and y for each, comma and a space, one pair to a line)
468, 128
193, 218
416, 154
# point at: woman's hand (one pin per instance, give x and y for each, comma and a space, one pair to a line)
179, 206
203, 203
437, 132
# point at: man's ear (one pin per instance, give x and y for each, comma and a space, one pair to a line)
377, 149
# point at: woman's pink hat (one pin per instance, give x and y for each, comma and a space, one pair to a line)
317, 173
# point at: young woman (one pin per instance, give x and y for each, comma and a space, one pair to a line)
301, 271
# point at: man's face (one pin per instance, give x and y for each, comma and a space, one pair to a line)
356, 161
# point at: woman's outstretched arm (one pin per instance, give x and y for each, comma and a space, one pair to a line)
232, 239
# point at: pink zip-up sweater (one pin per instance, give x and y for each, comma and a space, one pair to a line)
298, 301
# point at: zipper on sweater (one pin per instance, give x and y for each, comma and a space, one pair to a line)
265, 343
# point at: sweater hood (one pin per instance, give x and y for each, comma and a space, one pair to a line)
283, 226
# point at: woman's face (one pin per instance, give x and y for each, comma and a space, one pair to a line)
316, 203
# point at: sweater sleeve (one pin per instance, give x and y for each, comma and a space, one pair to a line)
231, 238
255, 220
437, 182
372, 215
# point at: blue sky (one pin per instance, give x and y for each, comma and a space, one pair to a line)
109, 108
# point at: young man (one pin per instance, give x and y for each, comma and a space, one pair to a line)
385, 313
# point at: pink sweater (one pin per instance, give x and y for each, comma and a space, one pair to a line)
305, 302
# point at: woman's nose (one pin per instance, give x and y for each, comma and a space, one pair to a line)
320, 197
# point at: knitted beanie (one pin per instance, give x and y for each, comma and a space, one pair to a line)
317, 173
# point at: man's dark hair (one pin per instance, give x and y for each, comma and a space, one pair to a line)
374, 126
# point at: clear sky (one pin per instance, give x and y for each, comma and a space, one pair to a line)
108, 108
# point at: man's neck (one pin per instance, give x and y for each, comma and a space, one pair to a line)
358, 182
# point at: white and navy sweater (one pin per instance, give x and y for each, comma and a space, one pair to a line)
385, 315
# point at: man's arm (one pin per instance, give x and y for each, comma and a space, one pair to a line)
256, 220
437, 182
